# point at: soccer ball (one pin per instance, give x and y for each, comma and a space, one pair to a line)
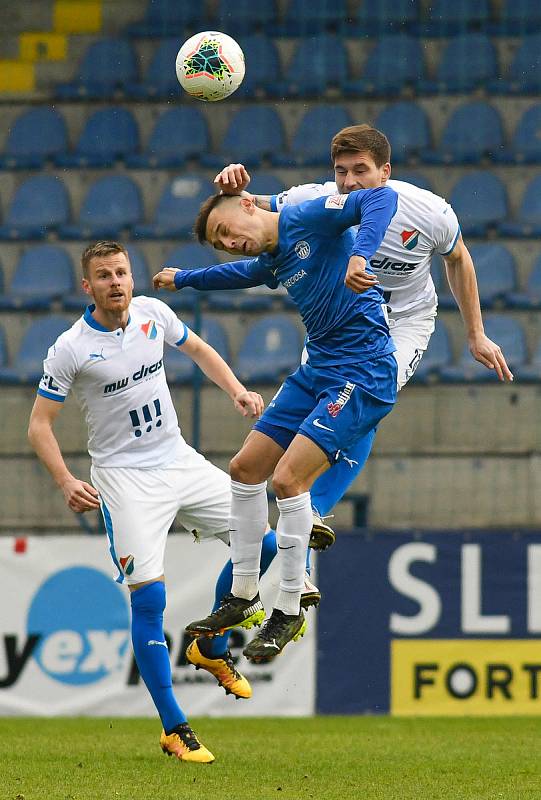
210, 66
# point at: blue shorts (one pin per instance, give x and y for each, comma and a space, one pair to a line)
328, 407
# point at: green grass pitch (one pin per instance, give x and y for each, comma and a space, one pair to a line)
324, 758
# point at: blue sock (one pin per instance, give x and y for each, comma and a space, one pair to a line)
151, 653
333, 484
217, 646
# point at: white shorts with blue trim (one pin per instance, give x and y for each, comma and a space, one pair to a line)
140, 505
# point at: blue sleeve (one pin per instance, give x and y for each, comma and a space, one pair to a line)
232, 275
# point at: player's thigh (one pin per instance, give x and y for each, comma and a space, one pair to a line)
138, 508
411, 336
204, 496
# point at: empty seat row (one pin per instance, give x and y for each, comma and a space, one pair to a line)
321, 62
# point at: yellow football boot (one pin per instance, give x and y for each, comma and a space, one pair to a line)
223, 670
184, 744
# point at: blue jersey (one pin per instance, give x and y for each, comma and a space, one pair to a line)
314, 246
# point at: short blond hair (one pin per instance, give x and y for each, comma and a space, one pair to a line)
100, 250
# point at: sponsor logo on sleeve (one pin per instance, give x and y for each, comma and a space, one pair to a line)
336, 201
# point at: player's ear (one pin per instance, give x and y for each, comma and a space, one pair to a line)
86, 287
386, 172
247, 204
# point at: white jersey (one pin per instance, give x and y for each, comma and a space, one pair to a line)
424, 224
119, 381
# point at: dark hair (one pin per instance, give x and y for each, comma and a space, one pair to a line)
362, 138
200, 224
101, 250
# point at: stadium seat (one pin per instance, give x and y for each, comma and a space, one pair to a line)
141, 280
528, 220
480, 202
40, 205
318, 63
312, 17
112, 205
387, 16
496, 273
395, 62
108, 135
181, 369
517, 18
36, 135
265, 183
240, 143
271, 349
107, 67
467, 63
437, 356
160, 81
526, 144
311, 142
43, 274
244, 17
446, 18
168, 17
505, 331
530, 372
524, 76
531, 298
263, 67
417, 178
177, 208
406, 126
474, 131
179, 134
28, 364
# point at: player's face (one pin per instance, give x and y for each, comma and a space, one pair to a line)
110, 282
358, 170
237, 229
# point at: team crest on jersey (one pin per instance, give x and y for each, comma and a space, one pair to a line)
149, 329
302, 249
410, 239
127, 563
336, 201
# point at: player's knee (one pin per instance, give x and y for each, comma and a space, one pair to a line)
149, 598
285, 483
239, 469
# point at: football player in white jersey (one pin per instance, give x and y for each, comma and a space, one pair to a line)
143, 472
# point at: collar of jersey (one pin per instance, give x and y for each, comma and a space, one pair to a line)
89, 319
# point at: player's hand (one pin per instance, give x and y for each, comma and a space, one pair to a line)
165, 279
357, 278
489, 353
232, 179
80, 496
249, 404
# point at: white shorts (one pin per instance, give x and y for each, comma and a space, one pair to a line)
140, 505
411, 335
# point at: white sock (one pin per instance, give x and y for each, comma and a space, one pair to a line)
247, 526
292, 534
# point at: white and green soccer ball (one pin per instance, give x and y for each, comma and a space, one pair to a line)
210, 66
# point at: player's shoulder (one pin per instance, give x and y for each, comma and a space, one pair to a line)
413, 199
141, 304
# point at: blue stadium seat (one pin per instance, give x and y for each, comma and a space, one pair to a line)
177, 208
181, 369
524, 76
240, 143
319, 63
528, 220
36, 135
43, 274
395, 62
531, 298
445, 18
265, 183
244, 17
406, 126
480, 202
526, 144
387, 16
160, 81
28, 364
263, 67
505, 331
312, 17
178, 135
517, 18
107, 67
141, 279
437, 356
417, 178
468, 62
531, 371
40, 205
108, 135
474, 131
496, 273
168, 17
271, 349
112, 205
312, 140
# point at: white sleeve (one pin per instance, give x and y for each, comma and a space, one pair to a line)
59, 371
298, 194
175, 332
446, 229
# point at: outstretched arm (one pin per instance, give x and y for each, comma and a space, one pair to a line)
232, 275
463, 283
